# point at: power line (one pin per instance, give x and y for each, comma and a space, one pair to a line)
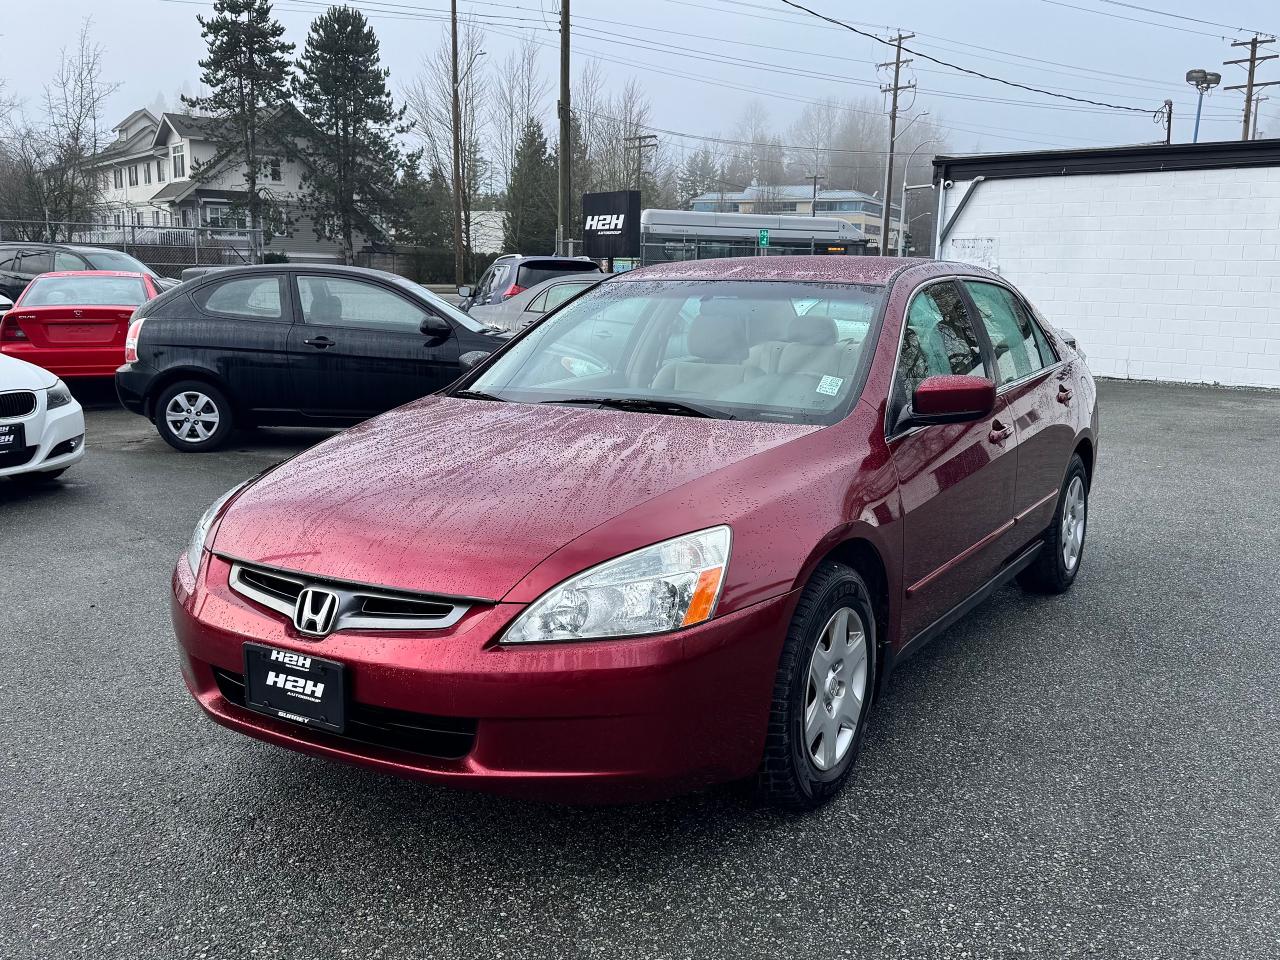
1179, 16
976, 73
1120, 16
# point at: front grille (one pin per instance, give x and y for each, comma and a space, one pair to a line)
447, 738
16, 458
17, 403
359, 607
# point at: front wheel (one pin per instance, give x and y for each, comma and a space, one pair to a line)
1056, 565
193, 416
822, 691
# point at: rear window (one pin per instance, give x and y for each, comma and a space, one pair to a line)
85, 291
115, 260
532, 274
259, 297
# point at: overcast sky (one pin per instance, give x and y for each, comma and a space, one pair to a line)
729, 51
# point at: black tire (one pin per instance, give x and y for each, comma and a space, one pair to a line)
1049, 571
789, 777
176, 435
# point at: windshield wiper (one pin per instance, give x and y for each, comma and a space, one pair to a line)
476, 395
651, 405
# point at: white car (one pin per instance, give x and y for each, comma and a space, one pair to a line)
41, 424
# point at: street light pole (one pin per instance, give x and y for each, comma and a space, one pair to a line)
902, 206
1203, 81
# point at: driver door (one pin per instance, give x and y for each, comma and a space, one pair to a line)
956, 480
356, 349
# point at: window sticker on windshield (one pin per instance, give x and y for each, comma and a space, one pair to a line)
830, 385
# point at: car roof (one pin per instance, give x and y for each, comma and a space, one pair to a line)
830, 269
135, 274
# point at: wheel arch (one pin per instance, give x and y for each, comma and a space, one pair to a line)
1084, 450
172, 375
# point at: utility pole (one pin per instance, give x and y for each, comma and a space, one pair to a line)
640, 143
813, 207
564, 216
459, 267
893, 90
1251, 64
1168, 122
1257, 111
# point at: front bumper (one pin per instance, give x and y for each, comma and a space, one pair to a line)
598, 721
54, 439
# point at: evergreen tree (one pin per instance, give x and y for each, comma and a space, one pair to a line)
246, 72
700, 174
530, 225
350, 144
424, 209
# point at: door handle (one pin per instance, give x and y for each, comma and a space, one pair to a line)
319, 342
1064, 394
999, 433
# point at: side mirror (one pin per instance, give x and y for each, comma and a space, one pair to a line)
435, 327
471, 358
464, 293
952, 399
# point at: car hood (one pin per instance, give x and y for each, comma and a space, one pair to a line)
465, 497
17, 374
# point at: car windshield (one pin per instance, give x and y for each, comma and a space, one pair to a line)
115, 260
85, 291
758, 350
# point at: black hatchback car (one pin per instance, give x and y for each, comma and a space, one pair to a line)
20, 263
289, 345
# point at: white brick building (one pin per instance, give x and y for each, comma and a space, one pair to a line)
1163, 260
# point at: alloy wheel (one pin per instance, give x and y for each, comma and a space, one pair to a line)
835, 689
192, 416
1074, 512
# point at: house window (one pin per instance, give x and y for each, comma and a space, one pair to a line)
155, 218
275, 170
115, 217
146, 173
133, 175
137, 218
117, 176
159, 171
179, 162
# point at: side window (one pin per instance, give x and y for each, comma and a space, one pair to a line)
35, 261
259, 297
68, 261
939, 339
7, 258
337, 302
478, 291
1012, 333
558, 295
538, 304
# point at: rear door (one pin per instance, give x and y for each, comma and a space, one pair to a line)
358, 350
244, 337
957, 480
1038, 389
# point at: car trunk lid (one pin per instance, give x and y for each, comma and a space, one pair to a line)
72, 326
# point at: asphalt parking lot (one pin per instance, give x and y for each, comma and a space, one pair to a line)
1092, 775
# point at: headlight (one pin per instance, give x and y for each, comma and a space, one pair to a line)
657, 589
196, 547
59, 396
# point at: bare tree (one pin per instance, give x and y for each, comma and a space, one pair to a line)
49, 174
519, 94
430, 101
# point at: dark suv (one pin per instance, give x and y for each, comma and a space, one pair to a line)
512, 273
20, 263
289, 344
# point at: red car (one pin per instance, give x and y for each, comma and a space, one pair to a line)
679, 531
73, 323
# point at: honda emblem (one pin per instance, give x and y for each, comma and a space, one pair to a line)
315, 612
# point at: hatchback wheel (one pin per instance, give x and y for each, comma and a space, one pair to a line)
1056, 565
822, 691
193, 416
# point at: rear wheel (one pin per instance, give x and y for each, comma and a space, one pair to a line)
1056, 565
193, 416
822, 691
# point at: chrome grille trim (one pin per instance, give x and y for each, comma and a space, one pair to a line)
359, 608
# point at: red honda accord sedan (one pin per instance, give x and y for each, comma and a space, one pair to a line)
73, 323
680, 531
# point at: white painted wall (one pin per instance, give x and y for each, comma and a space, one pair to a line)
1161, 276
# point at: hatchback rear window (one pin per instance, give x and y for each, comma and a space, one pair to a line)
531, 274
85, 291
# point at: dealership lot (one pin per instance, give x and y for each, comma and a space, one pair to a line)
1086, 775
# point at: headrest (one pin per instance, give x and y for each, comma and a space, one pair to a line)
812, 329
718, 333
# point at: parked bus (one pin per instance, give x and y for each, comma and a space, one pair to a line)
667, 235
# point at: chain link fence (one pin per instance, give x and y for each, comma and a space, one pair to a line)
166, 250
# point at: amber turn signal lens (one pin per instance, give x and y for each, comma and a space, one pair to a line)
704, 596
